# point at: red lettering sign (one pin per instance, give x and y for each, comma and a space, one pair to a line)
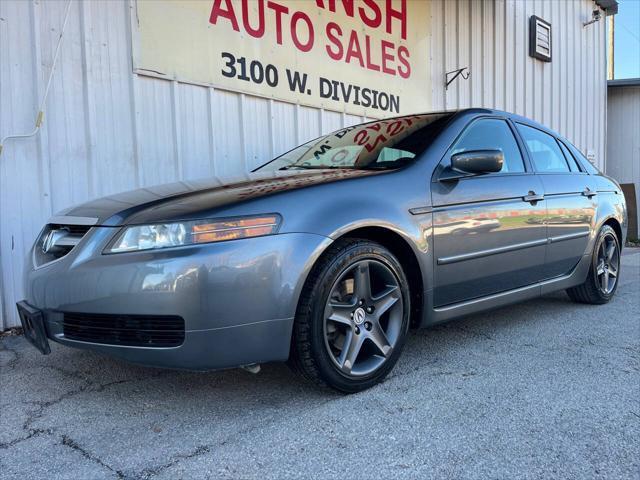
341, 43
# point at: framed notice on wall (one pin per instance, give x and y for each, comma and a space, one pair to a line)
361, 56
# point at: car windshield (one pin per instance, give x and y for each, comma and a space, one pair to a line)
383, 144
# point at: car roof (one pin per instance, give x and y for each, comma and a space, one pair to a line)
479, 111
513, 116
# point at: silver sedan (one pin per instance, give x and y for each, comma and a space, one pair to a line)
330, 254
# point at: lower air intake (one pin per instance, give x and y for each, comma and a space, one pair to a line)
125, 330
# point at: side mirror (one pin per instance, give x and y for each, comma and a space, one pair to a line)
475, 162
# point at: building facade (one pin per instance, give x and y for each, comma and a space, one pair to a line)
125, 111
623, 144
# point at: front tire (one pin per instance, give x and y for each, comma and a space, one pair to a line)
352, 318
602, 281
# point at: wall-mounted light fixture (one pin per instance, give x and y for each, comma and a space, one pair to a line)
596, 15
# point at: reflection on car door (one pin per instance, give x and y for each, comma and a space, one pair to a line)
570, 197
489, 231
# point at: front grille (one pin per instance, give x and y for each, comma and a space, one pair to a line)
78, 230
66, 237
125, 330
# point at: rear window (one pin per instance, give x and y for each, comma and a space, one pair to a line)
586, 164
573, 163
545, 151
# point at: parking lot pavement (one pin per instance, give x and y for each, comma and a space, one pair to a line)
542, 389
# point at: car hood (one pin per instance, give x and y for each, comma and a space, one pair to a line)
181, 200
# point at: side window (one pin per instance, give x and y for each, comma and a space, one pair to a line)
586, 164
573, 164
388, 154
492, 134
545, 152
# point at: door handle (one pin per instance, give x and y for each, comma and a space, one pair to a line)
589, 193
533, 197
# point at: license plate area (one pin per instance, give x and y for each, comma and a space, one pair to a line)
33, 326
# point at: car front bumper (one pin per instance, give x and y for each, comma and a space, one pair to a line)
237, 298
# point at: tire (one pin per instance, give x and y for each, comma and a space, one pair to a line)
336, 317
593, 290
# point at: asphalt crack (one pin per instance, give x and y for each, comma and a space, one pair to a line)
201, 450
175, 459
39, 412
36, 414
34, 432
72, 444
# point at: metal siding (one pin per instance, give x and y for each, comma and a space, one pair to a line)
158, 159
509, 56
284, 127
623, 140
437, 55
256, 131
24, 189
108, 130
463, 34
492, 39
69, 165
331, 121
476, 63
195, 147
228, 124
450, 54
353, 120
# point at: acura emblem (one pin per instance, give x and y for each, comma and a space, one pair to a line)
359, 316
52, 238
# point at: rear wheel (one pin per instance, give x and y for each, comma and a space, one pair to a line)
602, 281
353, 317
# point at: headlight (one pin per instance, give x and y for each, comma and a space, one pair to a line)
163, 235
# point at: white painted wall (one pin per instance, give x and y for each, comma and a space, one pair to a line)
623, 136
108, 130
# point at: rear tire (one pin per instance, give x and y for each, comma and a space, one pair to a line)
353, 317
602, 282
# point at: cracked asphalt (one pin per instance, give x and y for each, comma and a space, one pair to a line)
542, 389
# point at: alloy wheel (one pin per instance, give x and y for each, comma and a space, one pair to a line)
607, 264
363, 317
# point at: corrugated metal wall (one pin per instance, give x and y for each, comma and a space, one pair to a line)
623, 136
492, 39
107, 130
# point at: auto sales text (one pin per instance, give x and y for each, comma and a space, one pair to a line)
340, 43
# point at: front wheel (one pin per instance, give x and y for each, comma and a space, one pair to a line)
353, 317
602, 281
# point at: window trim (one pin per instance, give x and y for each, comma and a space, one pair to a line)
528, 170
563, 147
581, 161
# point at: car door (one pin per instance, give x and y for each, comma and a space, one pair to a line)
570, 197
488, 230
